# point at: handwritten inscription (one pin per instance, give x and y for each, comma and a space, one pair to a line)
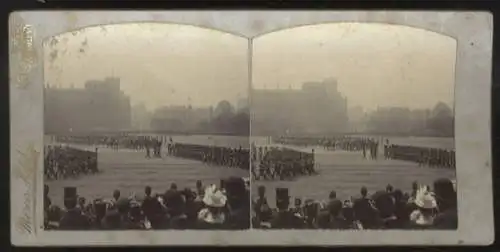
28, 55
25, 171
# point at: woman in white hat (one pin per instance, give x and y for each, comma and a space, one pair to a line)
213, 216
423, 216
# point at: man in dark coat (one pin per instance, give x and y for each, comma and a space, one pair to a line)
191, 207
365, 211
73, 219
151, 208
238, 201
331, 217
261, 207
174, 201
284, 218
446, 198
401, 209
385, 205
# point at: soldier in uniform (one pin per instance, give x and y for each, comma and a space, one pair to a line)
364, 143
147, 145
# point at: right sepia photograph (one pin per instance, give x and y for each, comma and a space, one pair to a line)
352, 127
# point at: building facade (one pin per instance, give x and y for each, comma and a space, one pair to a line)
180, 118
317, 108
99, 106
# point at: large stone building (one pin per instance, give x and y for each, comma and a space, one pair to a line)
180, 118
99, 106
317, 108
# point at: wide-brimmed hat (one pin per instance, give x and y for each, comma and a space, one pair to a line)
210, 217
425, 199
214, 197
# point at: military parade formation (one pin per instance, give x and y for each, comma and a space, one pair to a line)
213, 155
424, 156
71, 156
68, 157
65, 162
271, 163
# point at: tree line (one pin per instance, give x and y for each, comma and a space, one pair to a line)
437, 122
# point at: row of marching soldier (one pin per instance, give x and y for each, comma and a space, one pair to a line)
226, 206
429, 157
272, 163
424, 156
65, 162
153, 146
422, 208
213, 155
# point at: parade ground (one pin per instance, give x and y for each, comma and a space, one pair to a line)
130, 172
346, 172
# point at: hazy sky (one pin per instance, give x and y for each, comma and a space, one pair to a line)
374, 64
159, 64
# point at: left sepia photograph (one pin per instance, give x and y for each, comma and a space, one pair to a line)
146, 126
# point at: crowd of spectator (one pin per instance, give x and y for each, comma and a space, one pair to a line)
226, 206
422, 208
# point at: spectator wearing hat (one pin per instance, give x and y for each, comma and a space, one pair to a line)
261, 207
364, 210
348, 214
238, 203
53, 217
423, 216
311, 211
385, 205
179, 219
200, 191
414, 190
284, 218
72, 219
400, 209
332, 196
81, 205
298, 210
331, 218
135, 218
99, 210
174, 201
446, 198
212, 216
116, 216
389, 188
151, 208
191, 207
116, 196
